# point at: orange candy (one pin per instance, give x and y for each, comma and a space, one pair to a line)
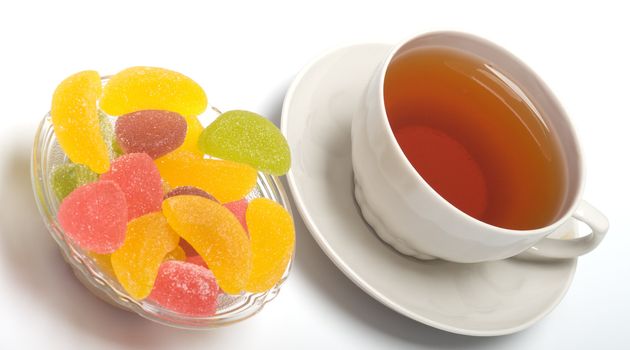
225, 180
215, 233
273, 239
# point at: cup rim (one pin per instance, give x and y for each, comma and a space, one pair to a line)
415, 174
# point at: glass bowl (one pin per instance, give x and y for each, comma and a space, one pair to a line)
46, 155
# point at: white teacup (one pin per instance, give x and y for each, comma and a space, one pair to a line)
411, 216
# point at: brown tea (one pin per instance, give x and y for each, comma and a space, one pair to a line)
475, 137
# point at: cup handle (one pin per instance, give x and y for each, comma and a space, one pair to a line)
571, 248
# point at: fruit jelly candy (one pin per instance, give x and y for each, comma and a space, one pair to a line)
76, 122
190, 190
193, 130
138, 88
246, 137
104, 262
176, 254
185, 288
272, 235
188, 249
153, 132
107, 131
239, 208
66, 177
94, 216
149, 238
216, 234
197, 260
225, 180
140, 180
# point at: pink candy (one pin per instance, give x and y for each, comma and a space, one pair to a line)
140, 180
94, 216
239, 208
185, 288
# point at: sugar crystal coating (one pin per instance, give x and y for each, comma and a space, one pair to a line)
188, 249
246, 137
94, 216
190, 190
225, 180
272, 235
239, 208
153, 132
176, 254
139, 88
107, 130
185, 288
214, 232
148, 239
76, 122
197, 260
193, 130
140, 180
66, 177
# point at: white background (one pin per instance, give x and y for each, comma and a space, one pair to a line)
245, 55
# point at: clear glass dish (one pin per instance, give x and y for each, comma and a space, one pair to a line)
46, 155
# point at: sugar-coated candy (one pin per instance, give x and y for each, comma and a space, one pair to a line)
188, 249
188, 190
107, 130
148, 239
239, 208
153, 132
138, 88
104, 263
197, 260
272, 235
66, 177
185, 288
176, 254
76, 122
193, 130
94, 216
246, 137
214, 232
140, 180
225, 180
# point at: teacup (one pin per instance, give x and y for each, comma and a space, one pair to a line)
406, 212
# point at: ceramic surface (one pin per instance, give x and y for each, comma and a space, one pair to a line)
482, 299
411, 216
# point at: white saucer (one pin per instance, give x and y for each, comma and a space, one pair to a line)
482, 299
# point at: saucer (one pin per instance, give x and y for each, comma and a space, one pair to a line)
482, 299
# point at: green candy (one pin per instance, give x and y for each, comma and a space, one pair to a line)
65, 178
246, 137
107, 130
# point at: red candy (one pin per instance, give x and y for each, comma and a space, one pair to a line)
139, 179
185, 288
94, 216
188, 190
197, 260
238, 208
188, 249
153, 132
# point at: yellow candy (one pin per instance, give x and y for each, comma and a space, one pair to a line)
216, 235
104, 262
225, 180
76, 121
140, 88
192, 136
176, 254
272, 235
136, 263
